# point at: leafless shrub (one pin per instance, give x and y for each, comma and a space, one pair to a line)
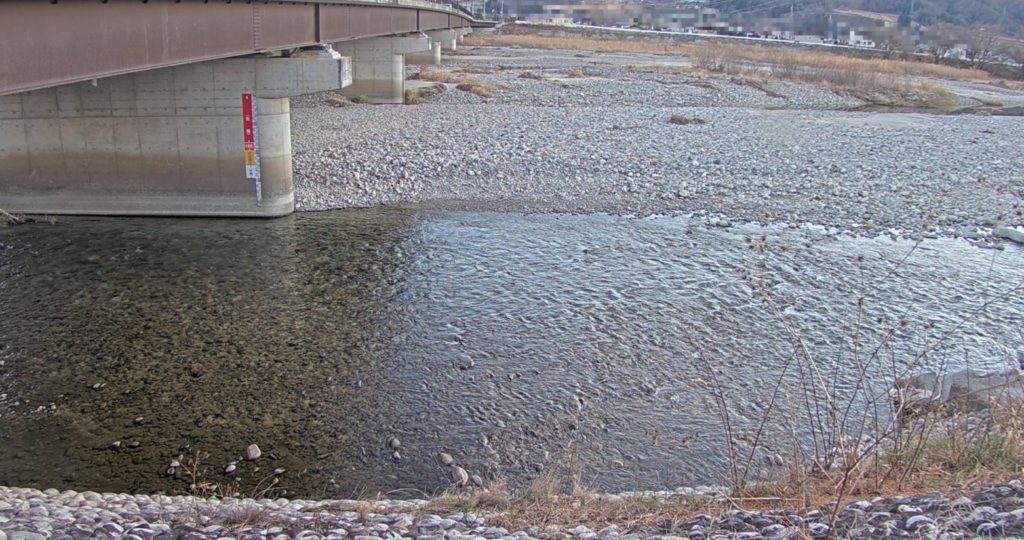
862, 440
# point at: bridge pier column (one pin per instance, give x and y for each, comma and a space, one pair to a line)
162, 142
449, 39
429, 58
378, 65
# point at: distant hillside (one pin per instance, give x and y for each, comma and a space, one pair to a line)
928, 12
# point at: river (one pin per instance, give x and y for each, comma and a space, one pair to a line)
515, 343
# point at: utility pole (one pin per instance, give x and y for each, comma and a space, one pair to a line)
829, 33
792, 22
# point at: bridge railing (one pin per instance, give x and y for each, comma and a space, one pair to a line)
445, 5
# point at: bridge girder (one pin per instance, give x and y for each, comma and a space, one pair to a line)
52, 43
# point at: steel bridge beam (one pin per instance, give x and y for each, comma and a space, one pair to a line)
47, 44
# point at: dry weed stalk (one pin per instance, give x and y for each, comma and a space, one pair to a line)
862, 441
11, 219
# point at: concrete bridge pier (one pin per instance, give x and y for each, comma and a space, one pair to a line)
378, 65
168, 141
430, 58
449, 39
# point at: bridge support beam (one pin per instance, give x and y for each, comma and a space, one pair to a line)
429, 58
378, 65
449, 39
162, 142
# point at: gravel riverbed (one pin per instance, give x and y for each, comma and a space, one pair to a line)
602, 143
29, 514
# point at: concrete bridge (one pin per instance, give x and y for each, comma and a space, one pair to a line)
180, 107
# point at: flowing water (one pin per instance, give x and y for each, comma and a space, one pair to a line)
515, 343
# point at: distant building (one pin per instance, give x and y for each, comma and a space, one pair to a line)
863, 28
674, 16
601, 13
808, 38
858, 40
683, 17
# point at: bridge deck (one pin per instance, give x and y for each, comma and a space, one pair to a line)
58, 42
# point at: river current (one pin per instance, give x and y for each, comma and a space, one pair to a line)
515, 343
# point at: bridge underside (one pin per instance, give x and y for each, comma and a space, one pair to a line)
51, 43
169, 141
92, 128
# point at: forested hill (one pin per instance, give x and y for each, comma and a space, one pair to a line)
959, 12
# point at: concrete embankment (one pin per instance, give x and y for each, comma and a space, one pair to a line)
29, 514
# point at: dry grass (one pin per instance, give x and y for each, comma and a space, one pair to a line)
882, 82
420, 96
760, 84
433, 90
866, 440
989, 102
938, 453
336, 100
471, 70
474, 87
553, 500
531, 75
758, 54
459, 79
684, 120
412, 97
249, 515
447, 77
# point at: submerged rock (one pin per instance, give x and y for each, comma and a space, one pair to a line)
253, 452
460, 476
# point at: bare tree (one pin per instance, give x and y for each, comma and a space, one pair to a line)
942, 38
981, 45
1013, 51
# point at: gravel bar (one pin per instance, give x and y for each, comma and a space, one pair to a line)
603, 143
